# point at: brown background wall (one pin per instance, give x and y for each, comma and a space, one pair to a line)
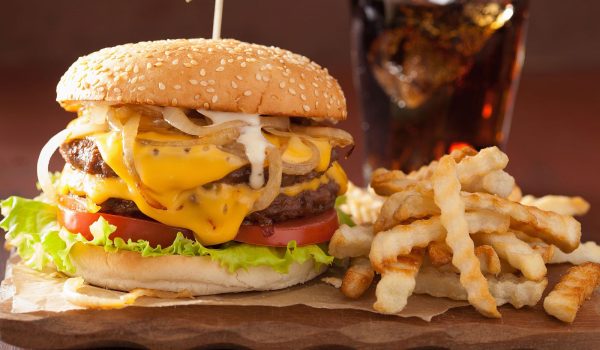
553, 146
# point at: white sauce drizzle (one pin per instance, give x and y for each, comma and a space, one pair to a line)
251, 137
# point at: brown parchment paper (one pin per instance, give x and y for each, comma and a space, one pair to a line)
31, 291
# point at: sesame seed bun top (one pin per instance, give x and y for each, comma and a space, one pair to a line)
221, 75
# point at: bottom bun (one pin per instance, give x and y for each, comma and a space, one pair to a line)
125, 271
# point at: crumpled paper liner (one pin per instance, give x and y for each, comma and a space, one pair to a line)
32, 291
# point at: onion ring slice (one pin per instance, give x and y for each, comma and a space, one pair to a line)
177, 119
306, 166
271, 189
129, 134
43, 173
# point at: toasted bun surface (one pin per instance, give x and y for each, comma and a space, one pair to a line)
221, 75
126, 270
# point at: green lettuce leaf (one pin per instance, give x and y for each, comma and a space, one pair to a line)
343, 218
32, 228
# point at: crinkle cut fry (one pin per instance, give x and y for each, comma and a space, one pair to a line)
398, 282
401, 239
560, 230
446, 189
351, 242
506, 288
358, 278
574, 288
586, 252
470, 169
516, 252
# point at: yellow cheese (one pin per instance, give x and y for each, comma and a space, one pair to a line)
177, 178
214, 214
176, 168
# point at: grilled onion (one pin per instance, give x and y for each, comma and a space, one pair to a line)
129, 134
337, 137
271, 189
43, 162
177, 118
218, 138
306, 166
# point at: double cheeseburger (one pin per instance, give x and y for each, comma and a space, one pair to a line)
201, 165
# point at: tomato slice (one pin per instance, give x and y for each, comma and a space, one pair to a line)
317, 229
127, 228
305, 231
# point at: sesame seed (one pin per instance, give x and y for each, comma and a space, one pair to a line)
161, 86
317, 93
292, 80
158, 64
215, 98
258, 77
306, 108
206, 105
203, 83
196, 97
187, 65
222, 61
210, 90
177, 87
220, 69
230, 60
292, 91
211, 82
233, 84
302, 86
174, 101
239, 77
148, 65
243, 64
303, 97
282, 84
194, 62
265, 78
136, 69
302, 76
326, 94
193, 81
315, 85
247, 93
175, 61
202, 72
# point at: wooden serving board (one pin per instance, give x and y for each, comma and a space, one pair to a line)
298, 327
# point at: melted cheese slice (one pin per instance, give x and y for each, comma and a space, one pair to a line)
178, 177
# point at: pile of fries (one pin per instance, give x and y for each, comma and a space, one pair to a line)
459, 228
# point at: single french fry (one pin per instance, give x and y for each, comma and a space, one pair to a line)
446, 189
546, 251
507, 288
439, 253
358, 278
518, 253
497, 182
397, 283
560, 230
351, 242
588, 251
488, 259
574, 288
401, 239
563, 205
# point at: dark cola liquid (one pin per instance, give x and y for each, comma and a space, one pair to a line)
433, 75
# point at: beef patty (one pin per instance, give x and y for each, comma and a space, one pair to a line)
83, 155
